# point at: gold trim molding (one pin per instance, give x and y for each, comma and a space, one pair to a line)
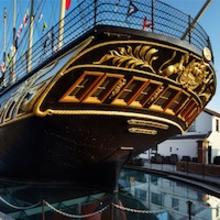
148, 123
106, 113
142, 131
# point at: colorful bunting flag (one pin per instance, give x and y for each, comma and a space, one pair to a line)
2, 67
25, 19
8, 58
131, 8
147, 24
68, 3
20, 30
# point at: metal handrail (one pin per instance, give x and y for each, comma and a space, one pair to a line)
166, 20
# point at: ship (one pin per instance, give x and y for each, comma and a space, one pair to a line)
114, 79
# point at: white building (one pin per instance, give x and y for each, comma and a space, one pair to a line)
201, 141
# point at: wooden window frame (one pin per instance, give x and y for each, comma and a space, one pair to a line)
183, 114
166, 107
68, 98
146, 85
119, 101
90, 99
179, 105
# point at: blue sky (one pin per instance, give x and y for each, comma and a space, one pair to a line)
210, 22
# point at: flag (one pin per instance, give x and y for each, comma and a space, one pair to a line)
147, 24
44, 26
12, 50
68, 3
2, 67
25, 19
19, 30
8, 58
131, 8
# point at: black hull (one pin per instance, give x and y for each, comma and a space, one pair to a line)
87, 148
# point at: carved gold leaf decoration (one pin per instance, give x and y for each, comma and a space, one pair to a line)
194, 74
190, 74
141, 56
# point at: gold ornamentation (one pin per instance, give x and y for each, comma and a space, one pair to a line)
177, 68
207, 54
193, 74
207, 90
47, 112
155, 95
118, 87
148, 123
142, 131
141, 57
190, 74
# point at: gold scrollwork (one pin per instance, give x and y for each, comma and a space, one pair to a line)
142, 56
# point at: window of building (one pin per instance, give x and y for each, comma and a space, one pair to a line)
140, 194
170, 149
217, 212
157, 198
175, 203
217, 125
154, 180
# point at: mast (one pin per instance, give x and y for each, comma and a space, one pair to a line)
61, 23
4, 34
12, 72
30, 39
192, 25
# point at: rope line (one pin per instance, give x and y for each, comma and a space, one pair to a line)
73, 215
17, 207
141, 211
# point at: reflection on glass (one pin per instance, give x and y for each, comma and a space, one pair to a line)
141, 196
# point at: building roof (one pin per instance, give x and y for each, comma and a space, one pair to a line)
211, 112
190, 136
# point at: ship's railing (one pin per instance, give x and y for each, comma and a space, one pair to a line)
159, 17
